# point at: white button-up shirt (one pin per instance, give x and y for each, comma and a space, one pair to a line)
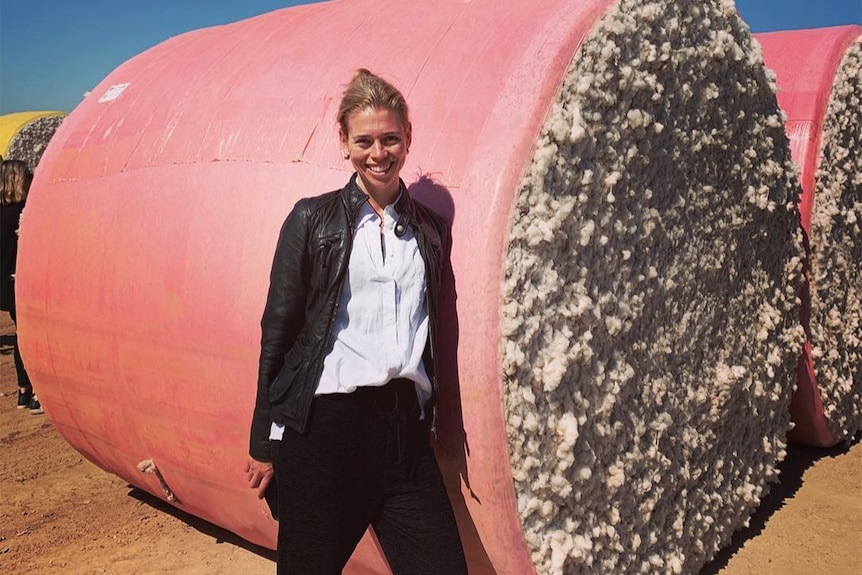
381, 325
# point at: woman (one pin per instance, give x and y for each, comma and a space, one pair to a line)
347, 387
15, 181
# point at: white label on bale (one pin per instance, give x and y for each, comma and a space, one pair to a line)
113, 92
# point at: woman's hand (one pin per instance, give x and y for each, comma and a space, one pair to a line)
259, 474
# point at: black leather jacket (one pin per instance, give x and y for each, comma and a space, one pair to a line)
308, 272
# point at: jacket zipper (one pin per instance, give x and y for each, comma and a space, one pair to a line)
334, 310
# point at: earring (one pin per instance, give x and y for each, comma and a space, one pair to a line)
345, 154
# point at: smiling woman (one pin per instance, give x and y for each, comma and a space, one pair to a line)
347, 387
377, 146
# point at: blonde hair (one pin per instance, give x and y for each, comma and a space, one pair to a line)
367, 90
15, 180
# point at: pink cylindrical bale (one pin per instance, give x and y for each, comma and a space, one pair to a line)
626, 264
142, 286
819, 74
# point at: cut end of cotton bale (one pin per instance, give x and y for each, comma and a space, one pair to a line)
30, 142
836, 253
651, 315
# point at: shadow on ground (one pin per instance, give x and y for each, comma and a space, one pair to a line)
799, 459
220, 535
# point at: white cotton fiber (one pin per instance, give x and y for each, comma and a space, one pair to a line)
836, 253
651, 316
30, 142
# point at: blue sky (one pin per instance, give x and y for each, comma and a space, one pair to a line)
52, 51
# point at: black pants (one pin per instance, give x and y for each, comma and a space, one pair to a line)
23, 378
365, 460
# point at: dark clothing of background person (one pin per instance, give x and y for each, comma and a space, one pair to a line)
10, 217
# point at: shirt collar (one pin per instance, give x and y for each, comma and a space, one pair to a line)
367, 212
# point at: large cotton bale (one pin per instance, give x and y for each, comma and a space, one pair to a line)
819, 76
617, 367
651, 286
25, 135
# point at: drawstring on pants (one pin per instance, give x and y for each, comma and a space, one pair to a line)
397, 402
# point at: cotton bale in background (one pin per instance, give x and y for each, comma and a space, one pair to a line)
819, 74
25, 135
836, 253
651, 314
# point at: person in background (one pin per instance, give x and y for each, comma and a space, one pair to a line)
347, 384
15, 181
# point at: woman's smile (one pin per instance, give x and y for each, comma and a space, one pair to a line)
377, 145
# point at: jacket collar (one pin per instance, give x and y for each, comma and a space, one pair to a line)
354, 197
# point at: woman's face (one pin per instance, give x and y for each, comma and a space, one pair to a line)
377, 145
